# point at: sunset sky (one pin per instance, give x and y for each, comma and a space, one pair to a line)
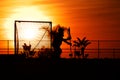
95, 19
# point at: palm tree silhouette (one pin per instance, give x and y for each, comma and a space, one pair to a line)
82, 44
76, 45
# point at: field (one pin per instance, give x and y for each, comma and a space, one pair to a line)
78, 68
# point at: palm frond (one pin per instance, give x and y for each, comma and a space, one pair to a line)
83, 39
86, 41
87, 44
76, 43
79, 40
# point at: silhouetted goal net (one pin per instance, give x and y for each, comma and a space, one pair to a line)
32, 36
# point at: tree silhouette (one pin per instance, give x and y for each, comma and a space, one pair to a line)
76, 48
81, 44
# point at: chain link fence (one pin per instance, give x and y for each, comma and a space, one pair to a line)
97, 49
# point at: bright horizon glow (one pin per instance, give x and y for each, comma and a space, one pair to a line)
29, 34
28, 31
24, 13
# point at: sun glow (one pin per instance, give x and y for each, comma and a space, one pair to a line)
28, 34
30, 13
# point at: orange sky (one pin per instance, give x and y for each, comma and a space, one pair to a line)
95, 19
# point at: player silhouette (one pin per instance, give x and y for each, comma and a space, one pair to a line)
58, 37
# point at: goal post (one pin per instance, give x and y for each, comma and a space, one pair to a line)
35, 34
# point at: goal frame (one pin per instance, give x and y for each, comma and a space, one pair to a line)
16, 43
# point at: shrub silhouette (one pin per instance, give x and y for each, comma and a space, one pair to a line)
81, 44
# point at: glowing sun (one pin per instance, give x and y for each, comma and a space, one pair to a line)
31, 13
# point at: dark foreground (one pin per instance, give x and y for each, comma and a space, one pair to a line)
19, 66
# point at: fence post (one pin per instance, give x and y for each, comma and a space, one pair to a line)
98, 49
113, 53
8, 46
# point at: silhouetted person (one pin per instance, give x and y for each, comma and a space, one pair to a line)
57, 41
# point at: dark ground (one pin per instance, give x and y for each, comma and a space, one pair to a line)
19, 66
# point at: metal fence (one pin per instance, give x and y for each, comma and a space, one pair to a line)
97, 49
100, 49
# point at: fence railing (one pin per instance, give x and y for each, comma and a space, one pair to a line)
97, 49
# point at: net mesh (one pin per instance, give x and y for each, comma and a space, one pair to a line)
32, 34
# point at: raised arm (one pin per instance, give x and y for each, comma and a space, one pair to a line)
67, 40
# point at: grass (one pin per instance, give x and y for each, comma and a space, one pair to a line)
18, 64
